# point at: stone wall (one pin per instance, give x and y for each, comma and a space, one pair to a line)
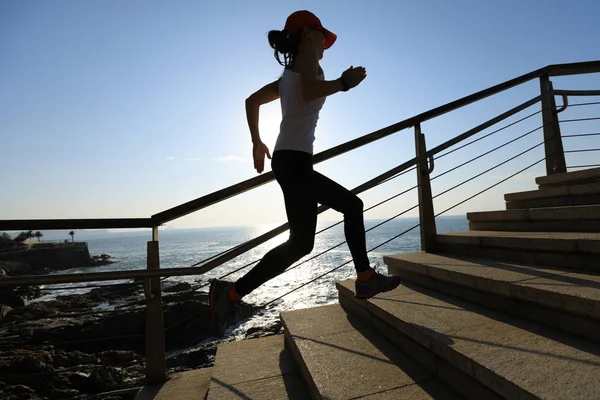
55, 258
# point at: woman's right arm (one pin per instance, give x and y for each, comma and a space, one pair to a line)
264, 95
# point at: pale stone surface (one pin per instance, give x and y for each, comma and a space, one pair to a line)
514, 226
449, 375
355, 361
548, 259
537, 194
528, 235
505, 215
517, 359
559, 242
558, 213
568, 177
352, 363
279, 387
546, 213
431, 390
482, 274
189, 385
581, 190
589, 245
574, 292
563, 201
253, 359
334, 319
256, 369
573, 225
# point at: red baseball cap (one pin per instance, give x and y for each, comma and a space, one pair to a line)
302, 18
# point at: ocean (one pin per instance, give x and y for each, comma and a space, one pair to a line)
186, 247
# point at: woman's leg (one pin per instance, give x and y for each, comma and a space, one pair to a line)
334, 195
368, 282
294, 173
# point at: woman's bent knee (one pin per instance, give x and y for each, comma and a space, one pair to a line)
300, 248
356, 207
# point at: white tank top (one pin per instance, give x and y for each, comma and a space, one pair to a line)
299, 117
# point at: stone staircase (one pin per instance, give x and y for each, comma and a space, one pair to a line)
507, 310
514, 303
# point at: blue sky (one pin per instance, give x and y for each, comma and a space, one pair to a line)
125, 109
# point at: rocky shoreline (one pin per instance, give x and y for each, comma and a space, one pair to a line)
94, 343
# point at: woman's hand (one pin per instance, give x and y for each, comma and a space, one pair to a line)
353, 76
259, 151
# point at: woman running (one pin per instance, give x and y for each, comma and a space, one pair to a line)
302, 90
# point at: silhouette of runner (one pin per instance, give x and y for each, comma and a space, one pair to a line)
302, 90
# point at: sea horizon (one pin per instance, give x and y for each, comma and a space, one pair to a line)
82, 234
330, 258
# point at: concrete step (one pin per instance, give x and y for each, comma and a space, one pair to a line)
569, 178
513, 358
188, 385
255, 369
563, 299
572, 250
551, 219
561, 196
340, 357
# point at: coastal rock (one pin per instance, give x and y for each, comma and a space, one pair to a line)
19, 392
74, 337
78, 380
262, 331
14, 268
105, 379
19, 296
201, 357
169, 287
115, 294
33, 311
102, 259
4, 310
68, 323
48, 373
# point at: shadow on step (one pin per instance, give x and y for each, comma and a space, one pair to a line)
387, 354
291, 380
471, 307
266, 386
534, 271
231, 389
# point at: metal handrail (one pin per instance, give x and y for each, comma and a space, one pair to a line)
205, 201
50, 224
561, 92
117, 275
239, 188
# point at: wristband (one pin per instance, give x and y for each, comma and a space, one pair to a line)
345, 84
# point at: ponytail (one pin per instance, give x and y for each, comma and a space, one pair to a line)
286, 44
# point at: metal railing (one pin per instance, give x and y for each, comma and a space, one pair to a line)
584, 151
423, 162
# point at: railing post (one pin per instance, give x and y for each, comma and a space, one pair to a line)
553, 147
156, 364
426, 213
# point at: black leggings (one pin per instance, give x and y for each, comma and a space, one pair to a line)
302, 189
